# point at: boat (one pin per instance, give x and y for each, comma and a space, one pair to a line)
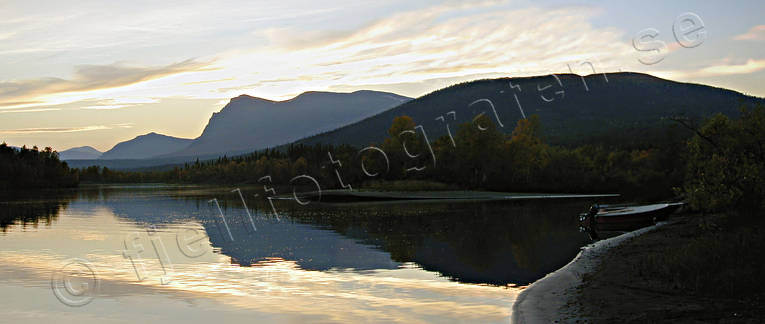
610, 217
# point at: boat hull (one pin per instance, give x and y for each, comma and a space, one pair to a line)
630, 218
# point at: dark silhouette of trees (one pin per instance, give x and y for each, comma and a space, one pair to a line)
725, 164
478, 156
32, 168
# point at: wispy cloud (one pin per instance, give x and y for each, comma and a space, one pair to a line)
65, 129
89, 78
751, 66
756, 33
6, 35
10, 107
105, 107
436, 42
19, 103
413, 43
27, 110
53, 130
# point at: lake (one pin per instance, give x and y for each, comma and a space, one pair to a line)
191, 254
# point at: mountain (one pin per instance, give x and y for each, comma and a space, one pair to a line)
247, 123
80, 153
614, 107
572, 109
146, 146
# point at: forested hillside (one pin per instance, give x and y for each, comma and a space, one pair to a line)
619, 108
478, 156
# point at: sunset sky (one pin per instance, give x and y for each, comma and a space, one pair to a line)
76, 73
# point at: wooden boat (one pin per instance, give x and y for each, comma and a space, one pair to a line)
627, 217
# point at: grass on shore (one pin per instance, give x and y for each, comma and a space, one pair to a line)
408, 185
698, 269
719, 255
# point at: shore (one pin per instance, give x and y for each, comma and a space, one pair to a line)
374, 195
634, 283
552, 299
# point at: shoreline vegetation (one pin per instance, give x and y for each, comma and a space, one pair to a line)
702, 267
23, 168
694, 268
699, 268
477, 156
553, 299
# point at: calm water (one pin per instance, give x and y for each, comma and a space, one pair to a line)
149, 254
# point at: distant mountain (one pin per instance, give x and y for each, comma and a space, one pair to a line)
247, 123
572, 109
80, 153
146, 146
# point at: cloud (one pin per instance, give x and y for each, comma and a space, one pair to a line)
124, 125
53, 130
65, 129
750, 66
27, 110
19, 103
89, 78
7, 35
285, 55
756, 33
437, 42
30, 106
105, 107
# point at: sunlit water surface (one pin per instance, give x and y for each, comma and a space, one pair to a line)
121, 254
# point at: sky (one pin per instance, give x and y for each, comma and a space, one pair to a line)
75, 73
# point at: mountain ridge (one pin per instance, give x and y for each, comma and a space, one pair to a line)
80, 153
250, 123
145, 146
645, 99
593, 105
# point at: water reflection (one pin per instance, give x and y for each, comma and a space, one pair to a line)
371, 262
25, 210
476, 242
488, 242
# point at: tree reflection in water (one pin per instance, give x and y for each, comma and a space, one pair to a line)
486, 242
26, 209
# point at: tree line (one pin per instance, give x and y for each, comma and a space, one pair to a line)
22, 168
476, 156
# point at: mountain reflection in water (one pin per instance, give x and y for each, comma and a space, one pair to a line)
485, 242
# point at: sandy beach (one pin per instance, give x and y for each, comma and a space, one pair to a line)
606, 282
551, 299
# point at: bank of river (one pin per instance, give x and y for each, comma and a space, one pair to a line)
375, 195
553, 298
615, 280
